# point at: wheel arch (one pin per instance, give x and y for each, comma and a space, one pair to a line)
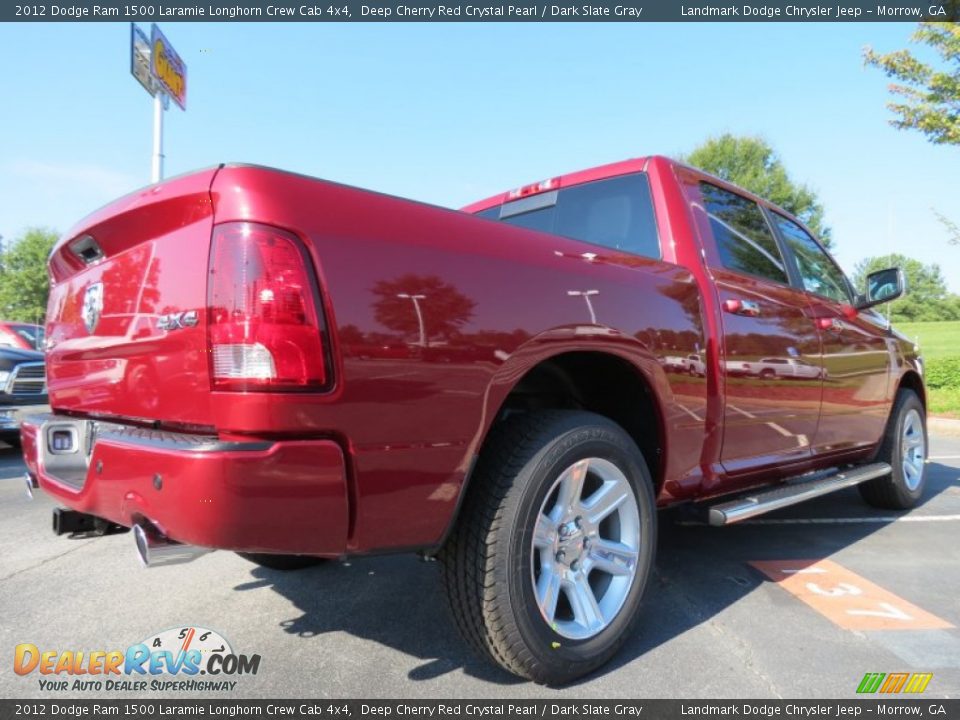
911, 380
612, 384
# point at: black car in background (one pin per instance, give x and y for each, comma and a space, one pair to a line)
23, 389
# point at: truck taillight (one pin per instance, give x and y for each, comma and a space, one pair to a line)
263, 319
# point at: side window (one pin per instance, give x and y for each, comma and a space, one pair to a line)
744, 239
819, 273
615, 213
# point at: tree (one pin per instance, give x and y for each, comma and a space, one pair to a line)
24, 284
423, 305
928, 97
926, 298
952, 228
752, 163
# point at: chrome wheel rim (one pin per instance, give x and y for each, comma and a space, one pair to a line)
913, 449
585, 548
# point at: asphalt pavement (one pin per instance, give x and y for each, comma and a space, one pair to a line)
860, 590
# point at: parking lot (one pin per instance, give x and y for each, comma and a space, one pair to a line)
884, 599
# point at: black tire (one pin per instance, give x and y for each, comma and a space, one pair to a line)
11, 440
282, 562
767, 374
892, 492
487, 561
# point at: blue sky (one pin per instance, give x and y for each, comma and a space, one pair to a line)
450, 113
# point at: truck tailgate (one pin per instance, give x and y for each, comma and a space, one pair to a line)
126, 321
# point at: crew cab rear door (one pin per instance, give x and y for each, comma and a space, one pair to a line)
770, 417
856, 358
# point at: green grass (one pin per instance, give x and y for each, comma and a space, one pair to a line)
937, 339
944, 402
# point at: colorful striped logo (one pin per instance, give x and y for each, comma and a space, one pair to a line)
894, 683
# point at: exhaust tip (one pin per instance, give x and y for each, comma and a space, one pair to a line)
154, 549
140, 538
31, 484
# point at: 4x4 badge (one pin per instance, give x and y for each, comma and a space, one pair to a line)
92, 306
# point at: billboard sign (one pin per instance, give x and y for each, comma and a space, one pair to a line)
167, 68
140, 59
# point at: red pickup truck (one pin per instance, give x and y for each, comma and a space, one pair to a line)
253, 360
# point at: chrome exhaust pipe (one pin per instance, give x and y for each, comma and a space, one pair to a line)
156, 550
31, 484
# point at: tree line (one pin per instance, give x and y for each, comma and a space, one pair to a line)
926, 98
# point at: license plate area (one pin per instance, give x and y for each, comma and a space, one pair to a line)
66, 445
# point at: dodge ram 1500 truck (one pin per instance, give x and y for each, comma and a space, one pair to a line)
253, 360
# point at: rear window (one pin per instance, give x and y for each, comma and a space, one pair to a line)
616, 213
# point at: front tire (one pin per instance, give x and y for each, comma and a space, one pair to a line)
547, 565
904, 447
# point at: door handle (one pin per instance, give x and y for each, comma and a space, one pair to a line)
749, 308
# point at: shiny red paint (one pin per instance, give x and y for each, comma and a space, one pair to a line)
16, 334
380, 460
290, 497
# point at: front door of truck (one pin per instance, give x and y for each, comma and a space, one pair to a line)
856, 358
770, 418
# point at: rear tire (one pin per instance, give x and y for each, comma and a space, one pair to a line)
904, 447
282, 562
547, 565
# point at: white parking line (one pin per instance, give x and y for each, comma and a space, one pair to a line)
871, 519
833, 521
690, 412
944, 457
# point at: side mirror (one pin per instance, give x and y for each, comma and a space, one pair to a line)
882, 286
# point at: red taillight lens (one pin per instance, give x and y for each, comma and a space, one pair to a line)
264, 327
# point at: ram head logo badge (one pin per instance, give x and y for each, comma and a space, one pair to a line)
92, 306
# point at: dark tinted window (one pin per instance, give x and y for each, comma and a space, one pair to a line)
819, 273
744, 239
616, 213
33, 334
542, 219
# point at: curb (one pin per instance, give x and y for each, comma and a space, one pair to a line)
948, 427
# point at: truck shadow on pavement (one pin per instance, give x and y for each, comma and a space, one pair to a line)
397, 601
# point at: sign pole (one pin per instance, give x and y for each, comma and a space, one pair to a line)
161, 72
156, 174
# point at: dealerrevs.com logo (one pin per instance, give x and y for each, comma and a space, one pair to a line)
178, 659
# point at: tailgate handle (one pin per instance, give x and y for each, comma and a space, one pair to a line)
749, 308
87, 249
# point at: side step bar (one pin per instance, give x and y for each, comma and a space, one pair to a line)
780, 497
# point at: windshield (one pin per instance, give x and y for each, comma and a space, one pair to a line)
33, 334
